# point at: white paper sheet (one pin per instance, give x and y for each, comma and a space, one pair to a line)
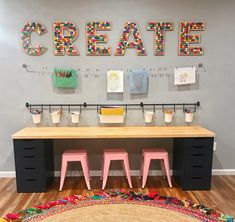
115, 81
185, 75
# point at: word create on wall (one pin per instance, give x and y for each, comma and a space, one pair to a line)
65, 34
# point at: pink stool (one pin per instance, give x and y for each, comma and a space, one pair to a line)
155, 154
109, 155
75, 155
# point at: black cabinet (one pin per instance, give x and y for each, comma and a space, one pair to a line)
34, 165
192, 163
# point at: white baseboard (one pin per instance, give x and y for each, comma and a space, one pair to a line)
8, 174
97, 173
223, 172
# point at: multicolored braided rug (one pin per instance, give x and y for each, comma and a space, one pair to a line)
118, 206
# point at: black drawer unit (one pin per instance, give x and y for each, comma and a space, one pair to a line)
34, 165
192, 162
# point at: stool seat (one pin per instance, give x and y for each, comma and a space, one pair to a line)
74, 155
118, 154
115, 154
71, 156
155, 154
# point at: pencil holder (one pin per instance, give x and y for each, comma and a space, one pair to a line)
168, 114
56, 115
36, 118
148, 117
75, 117
188, 115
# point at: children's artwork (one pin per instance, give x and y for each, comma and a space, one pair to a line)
65, 33
130, 28
115, 81
185, 75
65, 78
186, 38
26, 38
93, 38
160, 29
138, 79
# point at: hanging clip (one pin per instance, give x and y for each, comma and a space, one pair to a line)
142, 106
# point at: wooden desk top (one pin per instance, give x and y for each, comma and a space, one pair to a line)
112, 132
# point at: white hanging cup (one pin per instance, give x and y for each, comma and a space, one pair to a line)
36, 118
148, 117
75, 117
188, 117
56, 116
168, 116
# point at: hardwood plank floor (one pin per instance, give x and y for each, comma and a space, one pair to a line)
221, 196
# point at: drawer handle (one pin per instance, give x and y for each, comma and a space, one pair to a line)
197, 166
29, 148
197, 178
29, 157
198, 147
29, 168
30, 180
197, 154
199, 138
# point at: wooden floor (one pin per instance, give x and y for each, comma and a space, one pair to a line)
221, 196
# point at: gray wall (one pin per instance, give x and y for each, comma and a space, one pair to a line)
214, 89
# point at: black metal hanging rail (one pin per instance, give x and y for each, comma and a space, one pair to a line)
98, 106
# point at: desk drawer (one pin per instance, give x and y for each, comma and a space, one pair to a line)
198, 170
198, 159
198, 146
197, 183
31, 172
31, 184
198, 141
29, 143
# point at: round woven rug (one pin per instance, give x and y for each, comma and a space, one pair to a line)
118, 212
118, 206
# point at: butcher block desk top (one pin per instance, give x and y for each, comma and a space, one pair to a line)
112, 132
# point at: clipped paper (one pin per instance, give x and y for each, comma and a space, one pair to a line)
115, 81
184, 76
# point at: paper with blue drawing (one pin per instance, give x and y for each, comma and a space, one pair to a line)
184, 76
138, 79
